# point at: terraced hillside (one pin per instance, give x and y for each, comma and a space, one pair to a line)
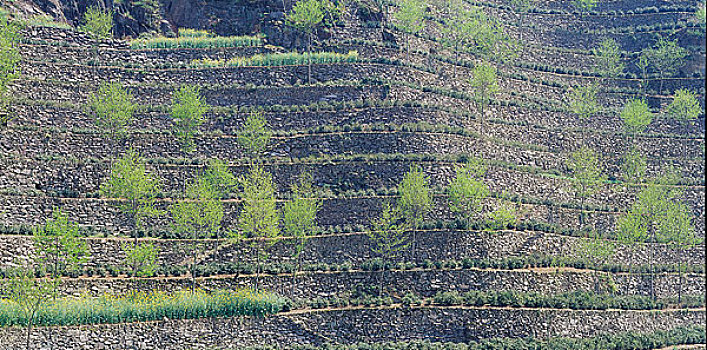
559, 243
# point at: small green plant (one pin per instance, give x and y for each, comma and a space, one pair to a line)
255, 135
259, 218
586, 168
134, 189
415, 200
187, 114
685, 106
636, 116
140, 258
98, 23
113, 109
485, 84
467, 191
388, 237
58, 246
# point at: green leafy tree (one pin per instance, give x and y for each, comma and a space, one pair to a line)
685, 106
586, 168
306, 16
677, 223
134, 188
608, 59
699, 19
259, 218
29, 294
388, 237
299, 217
58, 246
504, 216
467, 191
98, 23
255, 135
485, 84
188, 110
657, 215
633, 167
9, 65
666, 57
584, 6
415, 200
140, 258
582, 101
636, 117
219, 178
461, 26
411, 18
199, 215
113, 108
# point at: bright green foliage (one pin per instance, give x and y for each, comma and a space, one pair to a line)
299, 215
666, 57
503, 217
608, 59
198, 215
28, 295
485, 83
150, 306
141, 258
657, 214
306, 16
642, 63
633, 166
685, 106
259, 218
134, 187
219, 178
467, 191
636, 116
255, 135
388, 237
415, 199
582, 101
98, 23
58, 246
197, 42
584, 5
113, 108
188, 110
9, 64
281, 59
410, 17
586, 168
700, 17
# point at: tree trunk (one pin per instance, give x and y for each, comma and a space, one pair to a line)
309, 60
380, 286
257, 265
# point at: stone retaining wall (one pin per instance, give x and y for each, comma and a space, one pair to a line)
351, 326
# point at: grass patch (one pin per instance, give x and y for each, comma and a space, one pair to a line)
279, 59
195, 40
146, 306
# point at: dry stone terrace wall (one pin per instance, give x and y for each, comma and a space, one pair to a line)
424, 283
355, 248
218, 96
65, 117
101, 216
128, 57
347, 326
154, 145
84, 177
